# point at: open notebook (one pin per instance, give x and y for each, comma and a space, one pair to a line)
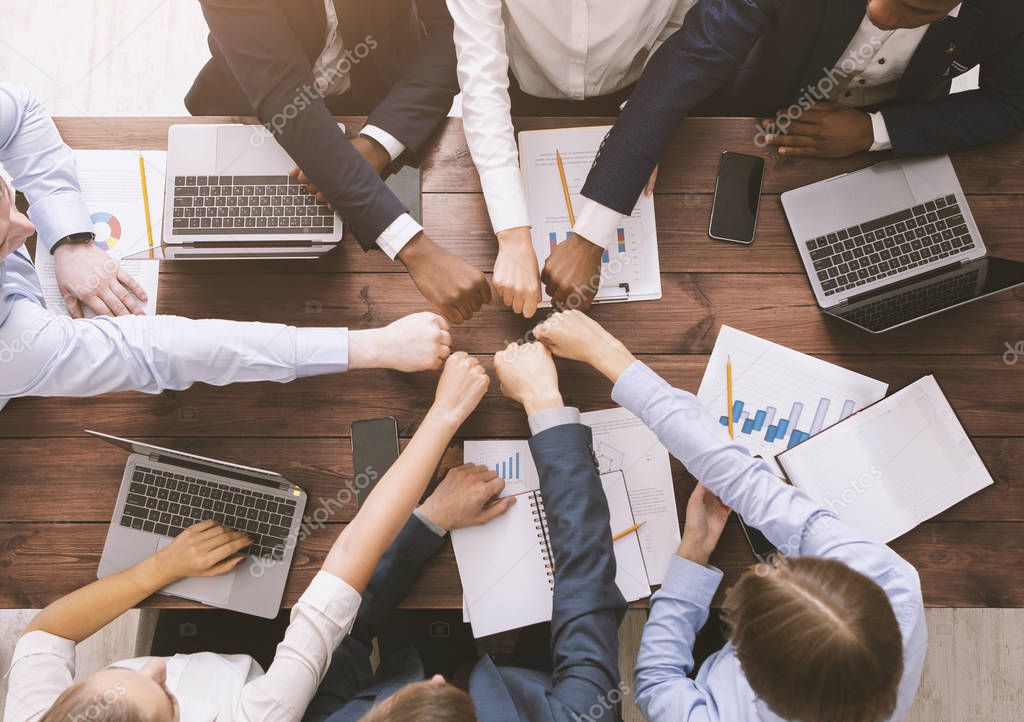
892, 466
507, 565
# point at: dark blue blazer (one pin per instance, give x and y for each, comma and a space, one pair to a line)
754, 57
588, 608
263, 53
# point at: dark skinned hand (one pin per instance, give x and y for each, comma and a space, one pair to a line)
452, 285
825, 130
572, 273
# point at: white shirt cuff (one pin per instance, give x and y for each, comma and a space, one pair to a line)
881, 131
506, 198
440, 531
321, 351
59, 215
402, 230
597, 223
550, 418
332, 597
391, 144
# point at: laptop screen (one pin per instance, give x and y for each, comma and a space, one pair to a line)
889, 308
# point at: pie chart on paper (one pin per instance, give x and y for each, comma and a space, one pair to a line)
107, 229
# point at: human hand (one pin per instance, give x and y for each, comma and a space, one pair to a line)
649, 188
825, 130
572, 273
574, 335
467, 496
527, 375
462, 385
453, 286
705, 520
417, 342
87, 274
205, 549
516, 275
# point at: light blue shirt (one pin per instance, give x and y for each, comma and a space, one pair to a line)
43, 354
789, 518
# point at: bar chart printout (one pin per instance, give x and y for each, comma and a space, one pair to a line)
780, 397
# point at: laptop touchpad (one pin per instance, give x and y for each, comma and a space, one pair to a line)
250, 150
212, 590
877, 191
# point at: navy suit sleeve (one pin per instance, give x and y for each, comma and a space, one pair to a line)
993, 112
423, 96
698, 59
588, 605
269, 64
350, 672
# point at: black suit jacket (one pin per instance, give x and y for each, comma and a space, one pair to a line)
588, 608
263, 52
757, 56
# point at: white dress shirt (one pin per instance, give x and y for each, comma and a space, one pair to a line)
867, 73
43, 354
572, 49
332, 76
208, 686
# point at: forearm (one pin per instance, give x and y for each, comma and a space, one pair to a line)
959, 121
84, 612
61, 357
364, 540
483, 68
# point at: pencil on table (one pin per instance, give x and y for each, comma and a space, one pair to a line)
627, 532
565, 188
728, 391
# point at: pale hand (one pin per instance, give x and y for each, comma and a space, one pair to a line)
417, 342
87, 274
706, 516
467, 496
462, 385
527, 375
516, 273
574, 335
205, 549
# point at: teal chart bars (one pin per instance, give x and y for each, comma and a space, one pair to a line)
763, 420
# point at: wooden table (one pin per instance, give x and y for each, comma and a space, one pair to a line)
57, 487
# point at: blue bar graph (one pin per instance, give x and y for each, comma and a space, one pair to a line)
508, 469
764, 421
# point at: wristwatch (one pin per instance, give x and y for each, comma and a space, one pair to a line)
75, 239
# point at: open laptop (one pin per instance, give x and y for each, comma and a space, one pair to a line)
164, 492
893, 243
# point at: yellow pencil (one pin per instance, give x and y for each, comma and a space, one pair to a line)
627, 532
728, 391
145, 203
565, 188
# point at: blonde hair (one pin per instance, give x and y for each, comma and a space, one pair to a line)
81, 702
817, 641
424, 702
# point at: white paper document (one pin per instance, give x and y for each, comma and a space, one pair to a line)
630, 270
893, 465
780, 397
112, 186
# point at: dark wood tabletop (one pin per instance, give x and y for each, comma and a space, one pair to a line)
57, 486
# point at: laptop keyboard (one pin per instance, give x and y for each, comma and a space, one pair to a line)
255, 204
859, 255
914, 303
166, 503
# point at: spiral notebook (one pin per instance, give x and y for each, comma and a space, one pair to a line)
507, 565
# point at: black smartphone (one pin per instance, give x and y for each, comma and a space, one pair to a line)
759, 544
374, 450
737, 197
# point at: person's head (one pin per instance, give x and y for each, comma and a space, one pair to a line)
117, 695
432, 700
817, 641
896, 14
15, 227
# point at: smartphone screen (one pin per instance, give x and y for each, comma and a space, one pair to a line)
737, 195
374, 450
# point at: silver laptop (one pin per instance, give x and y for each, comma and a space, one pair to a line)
893, 243
228, 195
164, 492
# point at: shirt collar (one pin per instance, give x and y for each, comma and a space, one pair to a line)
955, 12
